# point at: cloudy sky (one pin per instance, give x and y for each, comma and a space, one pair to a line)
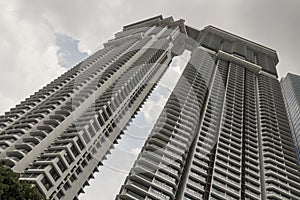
41, 39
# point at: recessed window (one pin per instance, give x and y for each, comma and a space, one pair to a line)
89, 157
73, 178
96, 126
74, 151
54, 174
61, 166
86, 137
84, 163
80, 144
98, 145
47, 184
78, 170
94, 150
91, 131
67, 186
68, 158
60, 194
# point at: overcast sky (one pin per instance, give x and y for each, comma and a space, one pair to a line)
40, 39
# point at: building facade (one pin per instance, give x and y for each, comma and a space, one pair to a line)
223, 134
291, 91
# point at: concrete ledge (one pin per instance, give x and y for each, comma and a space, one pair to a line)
231, 37
120, 41
228, 57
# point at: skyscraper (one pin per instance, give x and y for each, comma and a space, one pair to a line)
222, 134
224, 131
291, 91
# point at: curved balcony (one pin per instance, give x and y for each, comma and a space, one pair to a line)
51, 122
39, 133
6, 120
45, 128
16, 153
17, 132
57, 117
23, 126
9, 139
11, 161
63, 112
34, 140
69, 107
3, 125
27, 146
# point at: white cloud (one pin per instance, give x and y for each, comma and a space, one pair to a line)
28, 53
28, 56
91, 22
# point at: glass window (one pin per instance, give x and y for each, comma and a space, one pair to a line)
74, 151
96, 126
89, 157
86, 137
60, 194
94, 150
101, 122
91, 131
54, 174
61, 166
73, 178
67, 186
68, 158
80, 144
78, 170
84, 163
47, 184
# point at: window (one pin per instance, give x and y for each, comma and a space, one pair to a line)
91, 131
98, 145
94, 150
73, 178
68, 158
47, 184
96, 126
80, 144
84, 163
74, 151
102, 139
61, 166
86, 137
78, 170
54, 174
60, 194
89, 157
101, 122
67, 186
105, 117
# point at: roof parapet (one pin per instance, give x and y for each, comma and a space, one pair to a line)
157, 20
146, 22
224, 34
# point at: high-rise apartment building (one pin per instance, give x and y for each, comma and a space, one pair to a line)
291, 91
223, 133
